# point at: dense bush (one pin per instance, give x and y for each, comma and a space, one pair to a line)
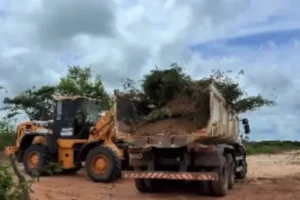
9, 188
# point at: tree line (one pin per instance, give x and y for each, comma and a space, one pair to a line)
37, 102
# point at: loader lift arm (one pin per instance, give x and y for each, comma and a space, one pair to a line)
104, 128
105, 158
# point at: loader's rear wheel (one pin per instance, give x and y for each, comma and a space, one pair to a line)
35, 159
220, 187
103, 164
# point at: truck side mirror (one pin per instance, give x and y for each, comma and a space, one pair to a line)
245, 122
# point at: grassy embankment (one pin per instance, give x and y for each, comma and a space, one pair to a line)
252, 147
271, 147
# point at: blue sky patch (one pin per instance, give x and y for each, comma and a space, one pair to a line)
225, 46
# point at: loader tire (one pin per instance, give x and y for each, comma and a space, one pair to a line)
35, 159
103, 164
220, 187
231, 170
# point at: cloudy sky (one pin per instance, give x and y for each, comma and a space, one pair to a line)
126, 38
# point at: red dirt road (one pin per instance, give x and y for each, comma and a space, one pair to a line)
275, 177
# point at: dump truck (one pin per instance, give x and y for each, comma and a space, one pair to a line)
213, 152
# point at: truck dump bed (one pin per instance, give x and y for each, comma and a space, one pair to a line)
215, 123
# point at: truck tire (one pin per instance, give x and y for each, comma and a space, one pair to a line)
35, 159
148, 185
231, 170
243, 173
141, 185
220, 187
103, 164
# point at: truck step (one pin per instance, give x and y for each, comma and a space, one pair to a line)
200, 176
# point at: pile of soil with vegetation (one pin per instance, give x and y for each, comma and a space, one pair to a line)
170, 102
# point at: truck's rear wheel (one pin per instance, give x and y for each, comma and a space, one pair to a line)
35, 159
148, 185
231, 170
141, 185
103, 164
220, 187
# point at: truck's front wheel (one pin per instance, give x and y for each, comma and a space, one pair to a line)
103, 164
242, 174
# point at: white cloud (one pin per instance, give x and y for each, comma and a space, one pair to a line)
127, 38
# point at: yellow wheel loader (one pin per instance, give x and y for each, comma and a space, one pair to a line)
75, 136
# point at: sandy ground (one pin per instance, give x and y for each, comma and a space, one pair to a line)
275, 177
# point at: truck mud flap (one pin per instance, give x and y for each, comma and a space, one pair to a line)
200, 176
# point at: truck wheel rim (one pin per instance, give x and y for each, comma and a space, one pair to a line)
100, 164
33, 160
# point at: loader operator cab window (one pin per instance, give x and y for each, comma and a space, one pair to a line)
86, 116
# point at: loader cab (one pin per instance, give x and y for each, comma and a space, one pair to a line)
74, 116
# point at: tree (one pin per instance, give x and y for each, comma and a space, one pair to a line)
38, 102
237, 96
82, 82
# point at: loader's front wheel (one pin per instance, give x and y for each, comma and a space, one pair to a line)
103, 164
35, 159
